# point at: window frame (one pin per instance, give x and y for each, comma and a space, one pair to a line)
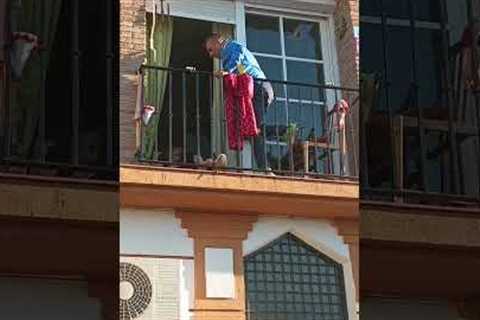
328, 61
338, 267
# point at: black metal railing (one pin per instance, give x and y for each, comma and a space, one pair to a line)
183, 122
72, 133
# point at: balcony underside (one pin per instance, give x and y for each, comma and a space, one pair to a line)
412, 270
236, 193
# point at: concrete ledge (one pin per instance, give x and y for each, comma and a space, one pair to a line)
47, 200
208, 191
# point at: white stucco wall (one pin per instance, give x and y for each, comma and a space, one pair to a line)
153, 232
155, 241
158, 233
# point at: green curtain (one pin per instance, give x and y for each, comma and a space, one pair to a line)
28, 94
218, 132
156, 81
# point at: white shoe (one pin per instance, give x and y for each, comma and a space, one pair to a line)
220, 161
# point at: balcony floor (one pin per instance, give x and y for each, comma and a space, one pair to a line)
236, 192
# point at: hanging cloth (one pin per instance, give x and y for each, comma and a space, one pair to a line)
160, 29
239, 109
33, 26
469, 41
341, 110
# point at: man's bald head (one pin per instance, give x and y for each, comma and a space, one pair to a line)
213, 45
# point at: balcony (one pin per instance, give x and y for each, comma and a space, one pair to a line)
57, 115
420, 155
182, 123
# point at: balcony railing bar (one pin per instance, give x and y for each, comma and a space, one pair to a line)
427, 197
291, 83
252, 171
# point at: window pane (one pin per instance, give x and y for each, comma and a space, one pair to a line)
469, 164
276, 120
305, 72
400, 68
429, 68
428, 10
372, 58
308, 117
272, 67
412, 175
437, 169
263, 34
457, 12
370, 8
302, 39
396, 8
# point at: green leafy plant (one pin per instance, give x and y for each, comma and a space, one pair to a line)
291, 133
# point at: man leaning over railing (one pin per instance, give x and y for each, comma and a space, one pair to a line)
232, 54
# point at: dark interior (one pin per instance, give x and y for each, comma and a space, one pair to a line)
93, 97
97, 121
188, 51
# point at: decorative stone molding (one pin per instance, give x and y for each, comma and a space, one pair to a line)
217, 231
349, 230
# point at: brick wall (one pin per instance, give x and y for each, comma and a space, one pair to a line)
346, 29
132, 55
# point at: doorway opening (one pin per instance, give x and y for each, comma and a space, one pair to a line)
190, 94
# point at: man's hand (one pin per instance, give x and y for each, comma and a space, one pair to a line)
220, 73
267, 86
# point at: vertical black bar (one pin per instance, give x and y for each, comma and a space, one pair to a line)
277, 137
224, 133
252, 148
213, 128
184, 114
41, 125
252, 152
170, 116
109, 55
264, 132
237, 130
418, 107
8, 123
315, 129
289, 147
158, 74
300, 120
451, 110
340, 145
197, 108
473, 10
6, 97
385, 39
145, 74
352, 132
5, 107
363, 140
75, 82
